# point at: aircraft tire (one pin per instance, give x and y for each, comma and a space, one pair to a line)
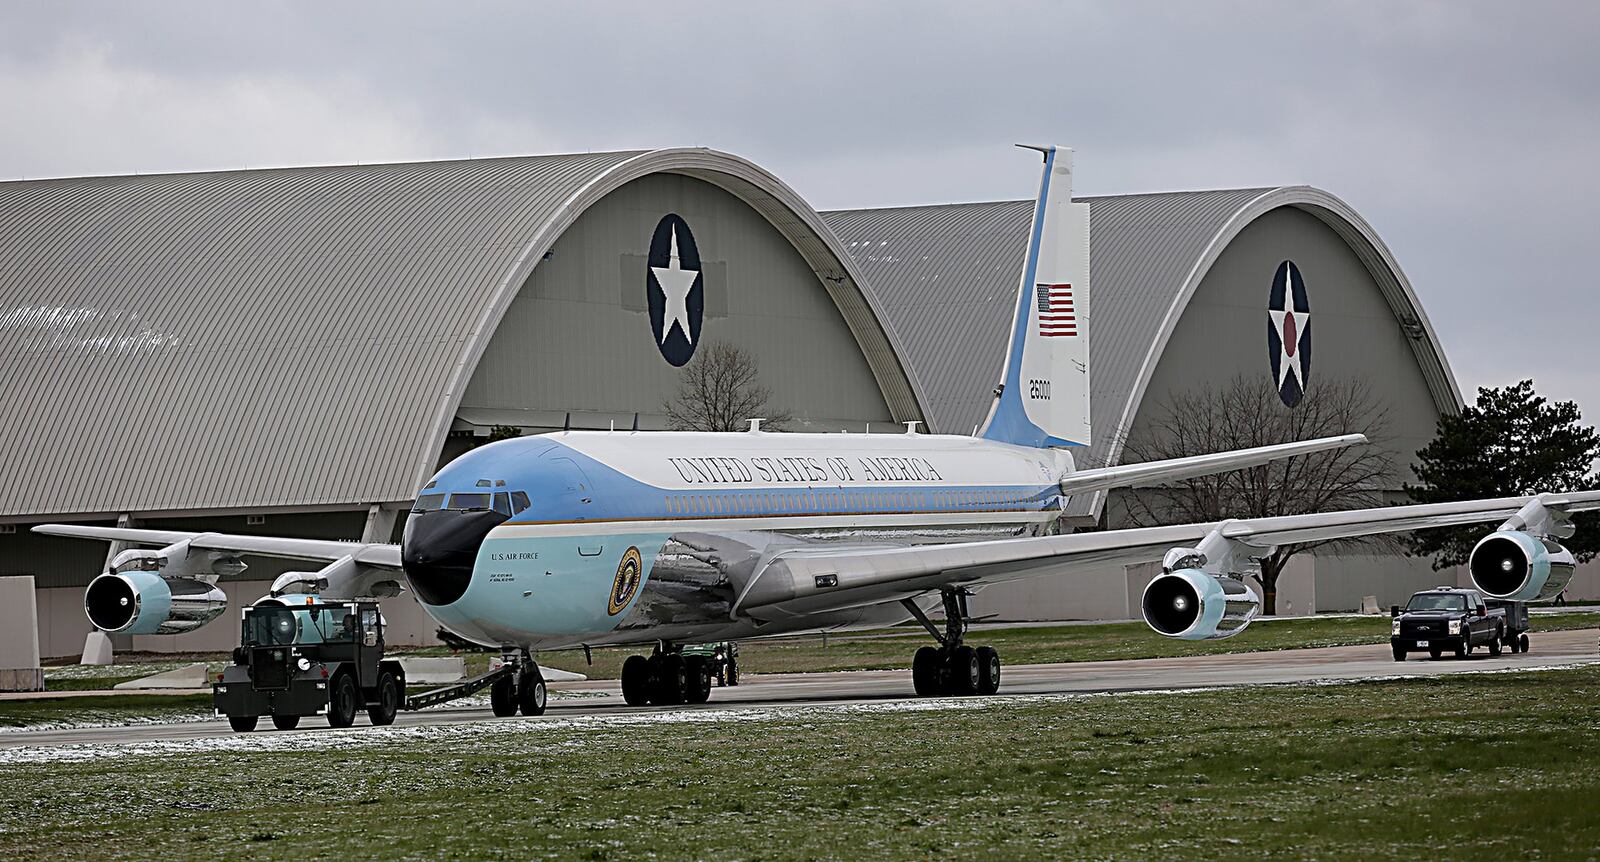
243, 723
382, 713
503, 697
699, 673
342, 701
286, 722
636, 680
669, 682
531, 695
964, 673
988, 670
925, 672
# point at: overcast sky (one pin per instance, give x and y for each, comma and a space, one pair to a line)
1468, 134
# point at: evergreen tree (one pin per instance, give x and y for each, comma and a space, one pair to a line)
1511, 443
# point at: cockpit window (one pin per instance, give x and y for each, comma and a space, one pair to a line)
470, 502
519, 501
428, 502
502, 503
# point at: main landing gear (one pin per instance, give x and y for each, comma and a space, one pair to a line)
667, 677
522, 690
953, 667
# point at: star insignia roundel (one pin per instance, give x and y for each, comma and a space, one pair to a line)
675, 289
1289, 333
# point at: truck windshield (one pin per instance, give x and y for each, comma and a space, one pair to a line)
1438, 602
312, 624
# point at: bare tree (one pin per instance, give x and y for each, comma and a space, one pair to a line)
720, 390
1245, 413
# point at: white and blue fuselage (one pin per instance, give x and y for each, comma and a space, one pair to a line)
615, 537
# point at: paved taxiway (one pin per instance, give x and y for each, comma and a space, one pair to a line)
1261, 668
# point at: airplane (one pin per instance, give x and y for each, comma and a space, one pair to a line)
587, 538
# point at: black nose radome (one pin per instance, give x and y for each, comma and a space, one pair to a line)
439, 548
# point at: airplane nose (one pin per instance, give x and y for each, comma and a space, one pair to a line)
439, 548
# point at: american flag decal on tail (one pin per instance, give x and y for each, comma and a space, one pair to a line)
1056, 313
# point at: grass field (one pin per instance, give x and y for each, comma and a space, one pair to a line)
1490, 767
109, 710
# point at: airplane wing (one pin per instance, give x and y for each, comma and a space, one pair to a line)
806, 581
383, 556
1136, 475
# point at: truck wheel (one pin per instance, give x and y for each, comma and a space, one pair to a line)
733, 671
1434, 652
531, 695
1495, 645
636, 680
243, 723
286, 722
1464, 648
1524, 640
383, 712
1399, 653
342, 701
503, 697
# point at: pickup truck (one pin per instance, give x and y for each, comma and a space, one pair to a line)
1447, 618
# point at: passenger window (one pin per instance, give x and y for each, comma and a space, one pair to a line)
502, 503
519, 501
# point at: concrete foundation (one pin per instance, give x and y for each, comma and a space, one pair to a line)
97, 649
188, 676
19, 636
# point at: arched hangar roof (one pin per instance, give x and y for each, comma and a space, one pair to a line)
300, 336
946, 277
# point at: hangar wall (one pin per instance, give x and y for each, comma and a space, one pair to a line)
1221, 334
578, 336
1355, 336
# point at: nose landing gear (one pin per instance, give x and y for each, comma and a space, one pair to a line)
953, 667
666, 678
523, 690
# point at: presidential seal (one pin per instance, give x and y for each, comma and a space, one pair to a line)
630, 572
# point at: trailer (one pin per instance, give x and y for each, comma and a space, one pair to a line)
1517, 625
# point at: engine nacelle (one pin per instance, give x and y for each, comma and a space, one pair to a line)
138, 602
1519, 567
1195, 605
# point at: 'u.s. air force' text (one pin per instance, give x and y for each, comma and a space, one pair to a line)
803, 469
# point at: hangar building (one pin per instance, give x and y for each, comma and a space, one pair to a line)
294, 351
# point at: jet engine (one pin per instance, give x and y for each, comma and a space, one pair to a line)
163, 592
1192, 604
1516, 566
143, 603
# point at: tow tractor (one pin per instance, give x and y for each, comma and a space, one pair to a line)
723, 657
327, 658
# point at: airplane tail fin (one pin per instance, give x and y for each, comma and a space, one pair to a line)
1043, 397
